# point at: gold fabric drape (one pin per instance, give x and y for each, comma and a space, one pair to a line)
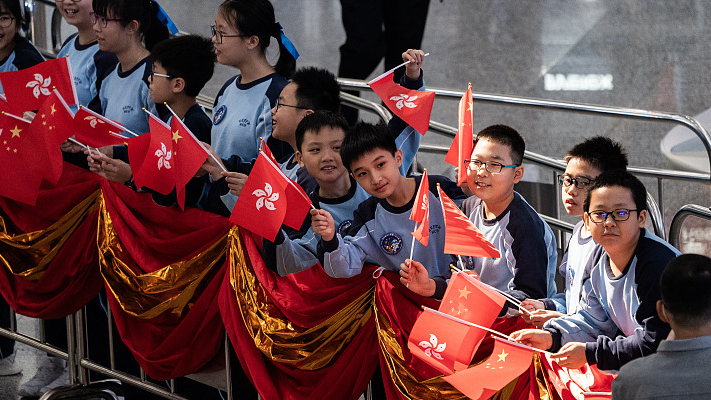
28, 254
279, 339
169, 290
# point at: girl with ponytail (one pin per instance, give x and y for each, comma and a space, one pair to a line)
242, 112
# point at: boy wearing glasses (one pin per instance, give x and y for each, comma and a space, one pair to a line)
617, 320
585, 161
528, 259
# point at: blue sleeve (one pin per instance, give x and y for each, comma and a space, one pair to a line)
530, 251
343, 257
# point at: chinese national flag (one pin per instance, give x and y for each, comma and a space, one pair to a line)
440, 340
95, 130
463, 143
267, 150
19, 181
27, 89
460, 235
156, 168
421, 211
188, 156
261, 207
507, 361
53, 123
412, 106
469, 299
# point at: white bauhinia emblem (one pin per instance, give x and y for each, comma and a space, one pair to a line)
265, 197
93, 121
163, 156
432, 349
40, 85
404, 101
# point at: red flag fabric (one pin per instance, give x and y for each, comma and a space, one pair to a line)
298, 205
156, 169
94, 130
597, 395
463, 143
262, 205
27, 89
267, 150
51, 127
188, 155
421, 211
579, 383
412, 106
19, 181
444, 342
460, 235
507, 361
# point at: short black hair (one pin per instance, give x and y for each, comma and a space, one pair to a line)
600, 152
317, 89
363, 138
506, 136
685, 290
622, 179
13, 7
190, 57
317, 120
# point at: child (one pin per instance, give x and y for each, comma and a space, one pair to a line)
16, 52
678, 370
585, 161
623, 288
241, 114
318, 141
370, 154
90, 65
528, 259
311, 89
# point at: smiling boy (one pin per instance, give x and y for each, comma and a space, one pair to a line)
622, 292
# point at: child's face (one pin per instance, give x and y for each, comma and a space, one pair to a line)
378, 172
7, 35
160, 87
233, 47
488, 186
114, 37
614, 236
320, 155
287, 116
76, 14
574, 195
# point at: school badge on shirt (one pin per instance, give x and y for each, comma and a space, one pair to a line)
391, 243
219, 114
343, 226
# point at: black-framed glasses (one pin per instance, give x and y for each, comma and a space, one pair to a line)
102, 21
621, 214
580, 182
5, 21
278, 104
491, 166
219, 35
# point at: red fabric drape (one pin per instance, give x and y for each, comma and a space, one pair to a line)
306, 299
167, 346
72, 278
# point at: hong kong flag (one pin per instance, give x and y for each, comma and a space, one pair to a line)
442, 341
461, 237
262, 205
27, 89
412, 106
421, 211
506, 363
463, 143
152, 162
19, 152
95, 130
52, 123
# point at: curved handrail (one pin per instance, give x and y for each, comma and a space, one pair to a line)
678, 220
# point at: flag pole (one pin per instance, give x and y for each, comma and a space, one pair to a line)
501, 292
391, 70
222, 167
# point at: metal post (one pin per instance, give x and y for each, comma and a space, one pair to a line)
81, 346
228, 368
71, 350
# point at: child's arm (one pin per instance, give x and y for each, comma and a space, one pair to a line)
343, 257
415, 277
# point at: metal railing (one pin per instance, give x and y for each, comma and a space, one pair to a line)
684, 212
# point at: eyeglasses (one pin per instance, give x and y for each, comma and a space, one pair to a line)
491, 166
153, 73
103, 22
580, 182
219, 35
621, 214
69, 1
277, 105
5, 21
